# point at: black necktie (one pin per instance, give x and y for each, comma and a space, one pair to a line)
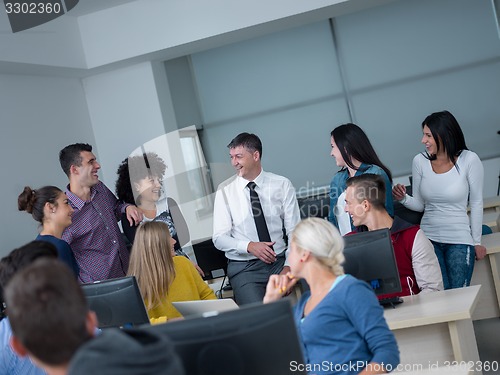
258, 214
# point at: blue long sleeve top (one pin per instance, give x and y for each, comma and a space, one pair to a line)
10, 362
345, 331
64, 252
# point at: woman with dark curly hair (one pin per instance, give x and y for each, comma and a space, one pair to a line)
140, 182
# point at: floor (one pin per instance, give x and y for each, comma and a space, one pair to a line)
488, 342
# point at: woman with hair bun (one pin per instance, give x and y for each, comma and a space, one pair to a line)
50, 207
340, 320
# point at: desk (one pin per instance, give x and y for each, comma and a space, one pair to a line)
492, 203
436, 327
491, 212
491, 219
487, 274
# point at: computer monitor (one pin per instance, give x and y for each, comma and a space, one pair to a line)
255, 339
369, 256
116, 302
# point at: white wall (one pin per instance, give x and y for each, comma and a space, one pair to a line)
126, 112
39, 116
180, 27
284, 87
98, 33
491, 176
408, 59
400, 62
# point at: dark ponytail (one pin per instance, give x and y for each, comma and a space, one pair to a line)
33, 201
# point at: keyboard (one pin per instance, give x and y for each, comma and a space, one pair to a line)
390, 302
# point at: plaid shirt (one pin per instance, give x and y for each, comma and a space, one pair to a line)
94, 235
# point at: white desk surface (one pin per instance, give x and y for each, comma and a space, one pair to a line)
436, 328
487, 274
491, 202
432, 308
490, 218
491, 242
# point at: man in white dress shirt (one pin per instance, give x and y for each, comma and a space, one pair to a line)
253, 257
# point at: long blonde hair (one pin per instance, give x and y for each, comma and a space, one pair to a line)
323, 240
151, 262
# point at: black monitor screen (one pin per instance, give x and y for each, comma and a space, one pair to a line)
369, 256
255, 339
116, 302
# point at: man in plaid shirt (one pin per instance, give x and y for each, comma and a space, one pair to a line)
94, 235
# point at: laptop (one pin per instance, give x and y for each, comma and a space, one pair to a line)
206, 307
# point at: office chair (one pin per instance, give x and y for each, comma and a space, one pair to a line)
212, 261
314, 206
413, 217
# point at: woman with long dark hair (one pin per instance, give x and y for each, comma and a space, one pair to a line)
354, 153
445, 179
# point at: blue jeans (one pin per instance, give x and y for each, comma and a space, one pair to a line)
456, 262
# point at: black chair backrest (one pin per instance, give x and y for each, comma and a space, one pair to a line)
212, 261
316, 206
406, 214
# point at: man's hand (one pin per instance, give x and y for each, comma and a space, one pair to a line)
134, 215
263, 251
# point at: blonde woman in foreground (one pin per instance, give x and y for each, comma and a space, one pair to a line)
340, 322
162, 277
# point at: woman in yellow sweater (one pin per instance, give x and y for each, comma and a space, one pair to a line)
162, 277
